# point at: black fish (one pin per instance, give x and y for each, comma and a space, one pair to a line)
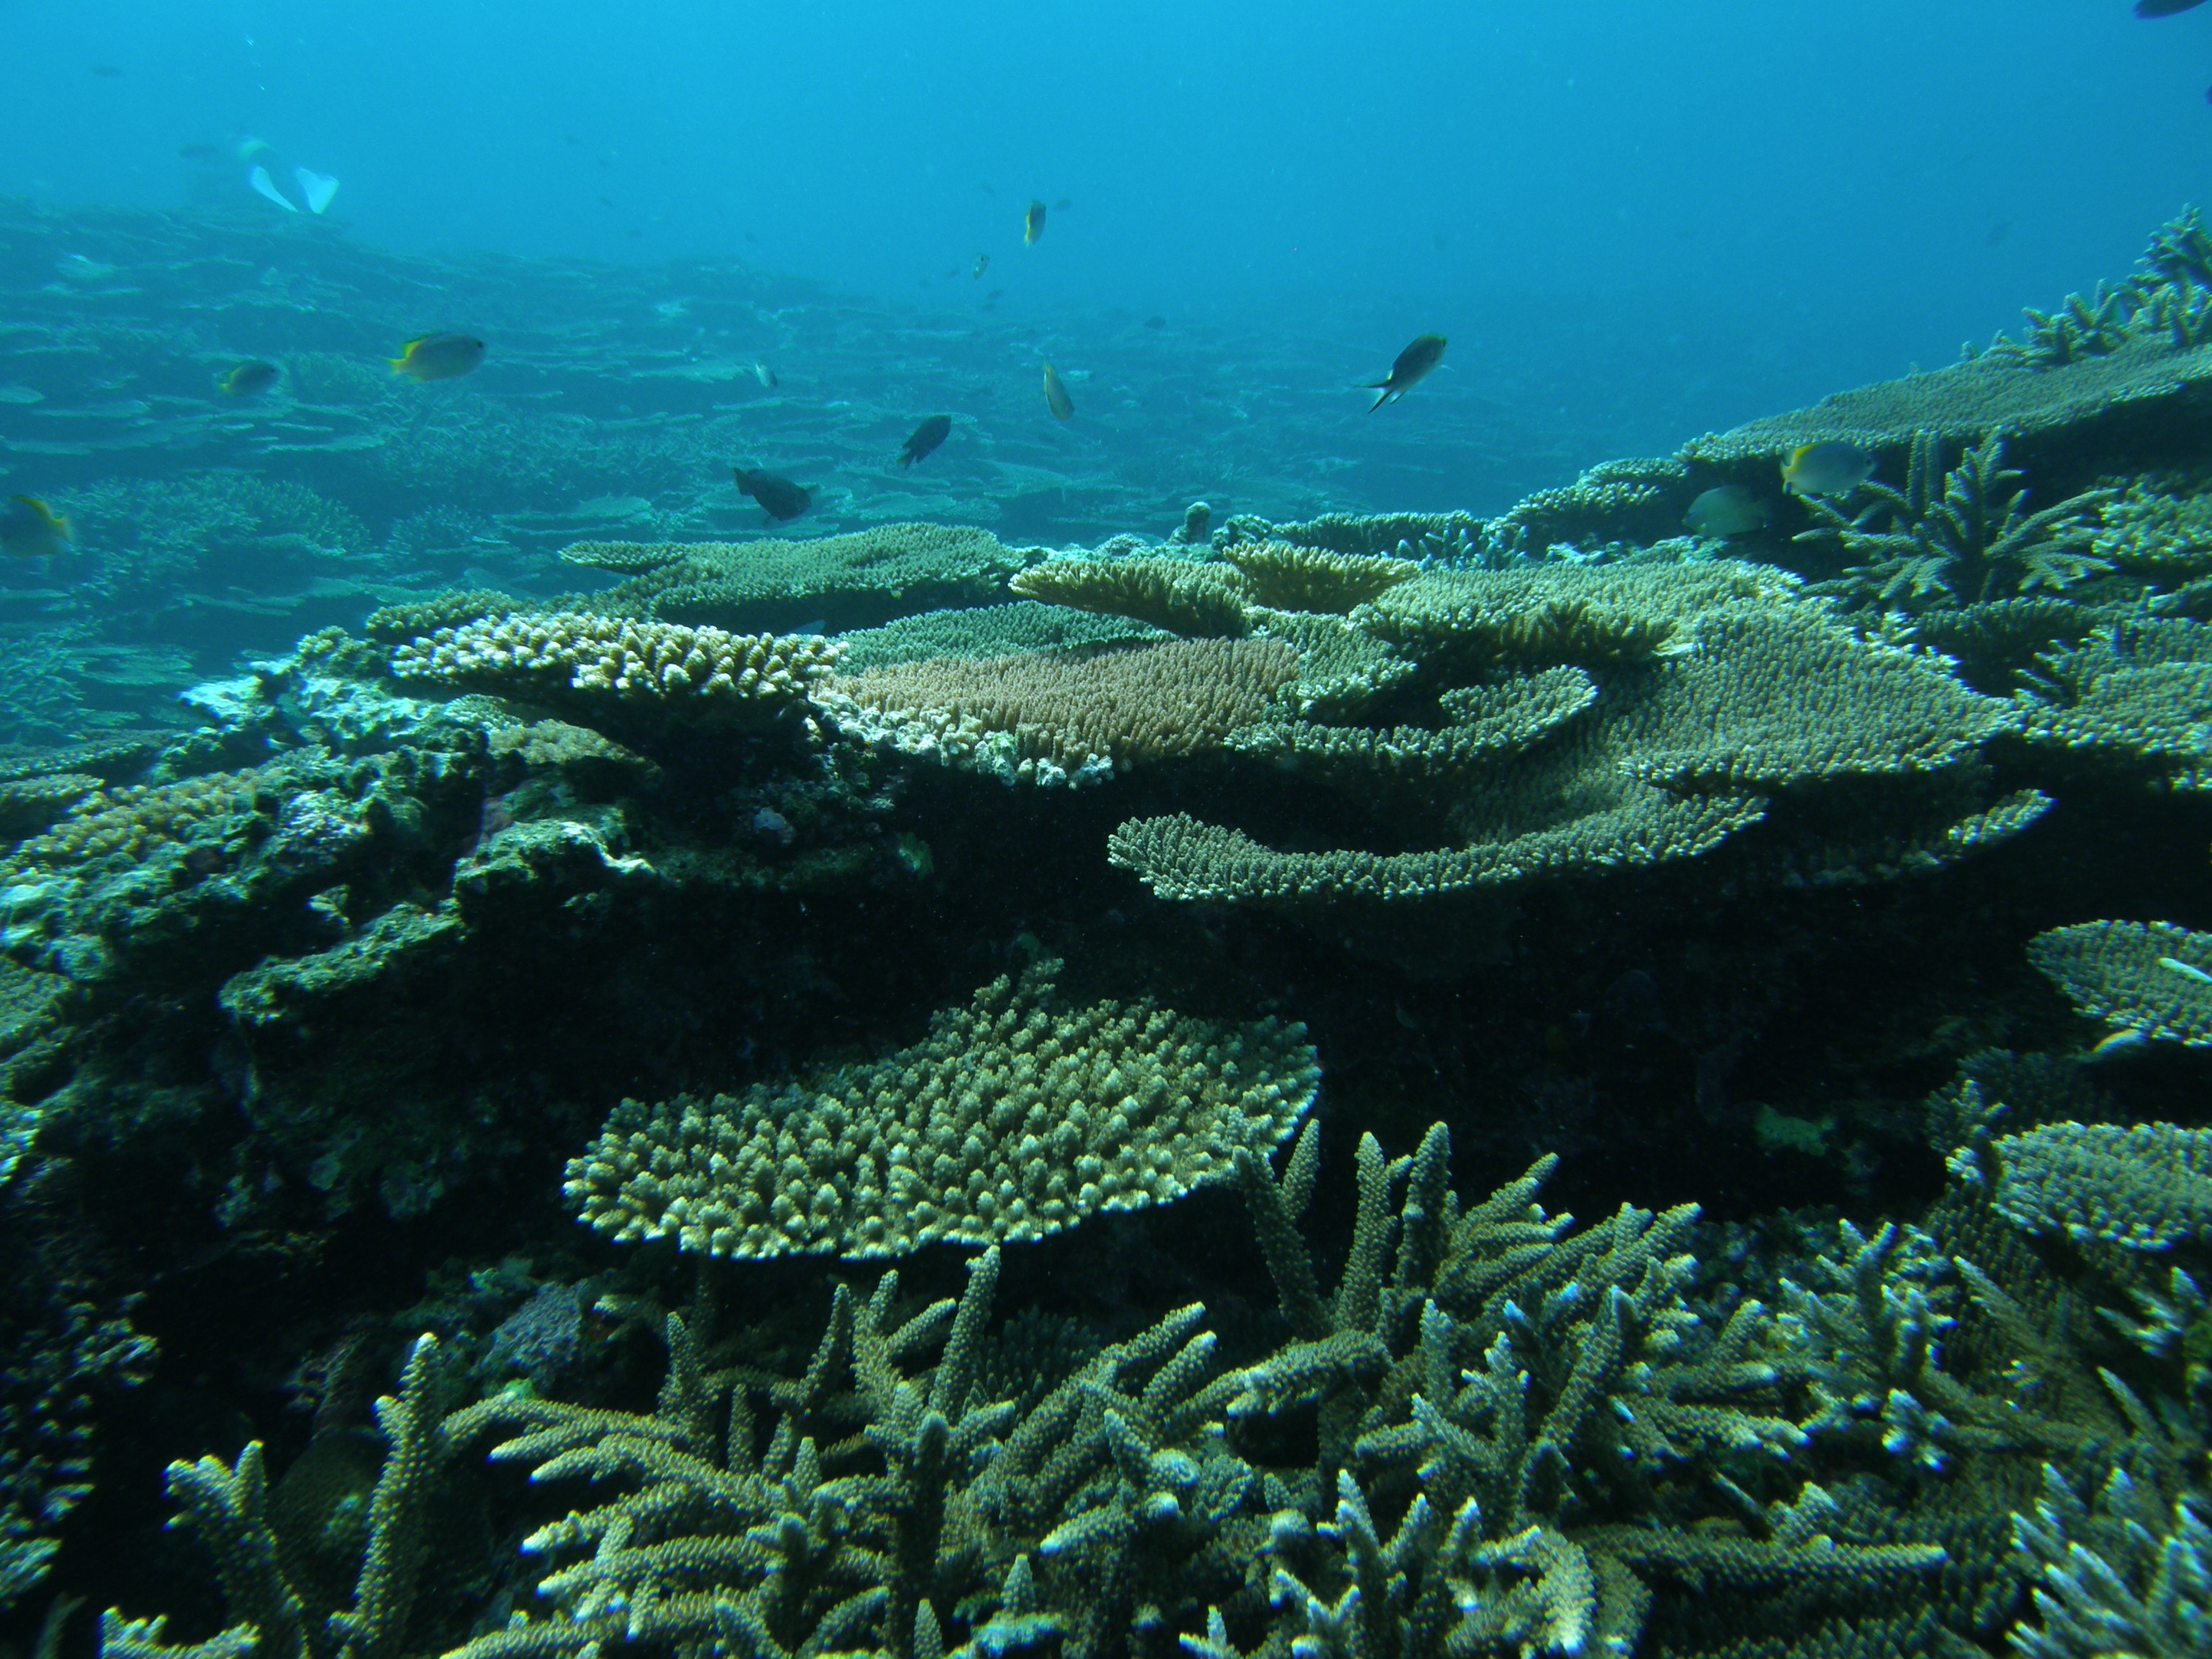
1412, 367
924, 438
779, 498
2164, 8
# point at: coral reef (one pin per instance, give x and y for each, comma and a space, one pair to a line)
1043, 718
1010, 1121
1181, 596
868, 576
2143, 979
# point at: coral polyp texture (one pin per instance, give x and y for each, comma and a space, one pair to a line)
866, 576
1012, 1121
2147, 978
2147, 1186
606, 659
1053, 717
1182, 596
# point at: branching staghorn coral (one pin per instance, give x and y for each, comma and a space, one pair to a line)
2126, 1573
1964, 535
2140, 689
226, 1505
2163, 302
1011, 1121
2145, 979
1519, 1392
1050, 718
605, 660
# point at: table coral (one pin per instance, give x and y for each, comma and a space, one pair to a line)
1011, 1121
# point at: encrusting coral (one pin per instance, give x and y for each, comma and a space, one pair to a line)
1012, 1120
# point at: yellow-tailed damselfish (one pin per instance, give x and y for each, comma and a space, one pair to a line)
29, 529
248, 379
437, 356
1830, 467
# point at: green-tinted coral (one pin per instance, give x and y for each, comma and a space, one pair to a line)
1182, 596
990, 630
1011, 1121
2147, 977
1285, 577
1962, 535
865, 577
2144, 1187
2138, 688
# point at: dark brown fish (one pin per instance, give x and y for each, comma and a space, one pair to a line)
924, 438
1412, 367
779, 498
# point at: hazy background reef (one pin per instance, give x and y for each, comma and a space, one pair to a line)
614, 401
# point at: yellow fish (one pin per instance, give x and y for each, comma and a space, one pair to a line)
1055, 396
248, 379
29, 529
1830, 467
437, 356
1033, 223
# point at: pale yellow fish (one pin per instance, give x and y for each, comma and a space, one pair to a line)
437, 356
29, 529
1830, 467
1055, 395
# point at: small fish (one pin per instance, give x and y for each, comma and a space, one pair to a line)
437, 356
249, 379
982, 264
1033, 223
1055, 396
2165, 8
765, 375
29, 529
1412, 366
1730, 510
779, 498
1830, 467
2124, 1041
2186, 969
924, 438
1156, 322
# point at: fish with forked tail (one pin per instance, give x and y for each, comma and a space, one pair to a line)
924, 439
1412, 367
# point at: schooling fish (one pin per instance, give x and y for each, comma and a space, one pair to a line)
1730, 510
296, 190
779, 498
1830, 467
30, 529
437, 356
1412, 367
1033, 223
924, 438
249, 379
1055, 396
